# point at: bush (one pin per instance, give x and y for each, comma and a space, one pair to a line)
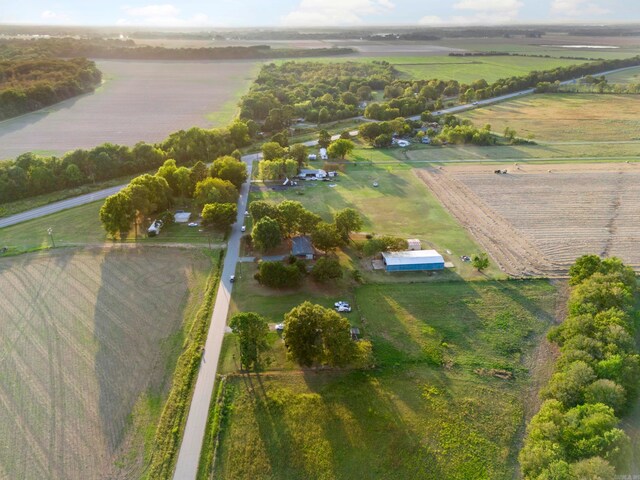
278, 275
326, 269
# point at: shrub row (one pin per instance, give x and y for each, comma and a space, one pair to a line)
575, 434
174, 414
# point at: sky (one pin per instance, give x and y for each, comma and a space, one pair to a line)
292, 13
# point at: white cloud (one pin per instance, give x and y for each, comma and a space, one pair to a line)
488, 5
577, 8
431, 20
54, 17
165, 15
335, 12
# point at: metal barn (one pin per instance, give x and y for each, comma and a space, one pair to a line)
413, 260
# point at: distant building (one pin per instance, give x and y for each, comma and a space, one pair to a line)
414, 244
301, 247
412, 260
312, 174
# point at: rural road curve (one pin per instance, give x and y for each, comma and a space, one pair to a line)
189, 456
102, 194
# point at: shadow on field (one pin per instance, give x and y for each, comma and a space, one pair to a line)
134, 324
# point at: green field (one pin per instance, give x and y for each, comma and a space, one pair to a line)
81, 226
400, 206
626, 76
431, 408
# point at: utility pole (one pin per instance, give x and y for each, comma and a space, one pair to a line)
50, 232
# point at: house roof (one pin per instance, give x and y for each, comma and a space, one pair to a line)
301, 246
412, 257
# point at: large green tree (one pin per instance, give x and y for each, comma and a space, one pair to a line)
251, 330
219, 215
261, 208
266, 234
326, 237
317, 335
228, 168
215, 190
117, 214
298, 152
340, 148
272, 151
289, 213
347, 220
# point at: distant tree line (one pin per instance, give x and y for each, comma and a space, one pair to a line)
28, 85
576, 434
30, 174
314, 91
128, 49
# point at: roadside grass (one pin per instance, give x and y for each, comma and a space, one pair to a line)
401, 206
627, 76
18, 206
425, 411
81, 226
565, 117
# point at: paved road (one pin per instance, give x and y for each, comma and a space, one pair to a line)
189, 456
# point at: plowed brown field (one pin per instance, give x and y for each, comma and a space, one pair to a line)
84, 336
538, 218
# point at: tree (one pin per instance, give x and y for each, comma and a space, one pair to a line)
228, 168
73, 175
298, 152
251, 330
347, 220
607, 392
324, 139
509, 134
168, 172
569, 386
261, 208
117, 214
279, 275
266, 234
594, 468
382, 140
289, 213
480, 262
215, 190
277, 169
182, 178
198, 173
317, 335
340, 148
239, 133
219, 215
272, 151
326, 269
308, 222
323, 116
325, 237
370, 130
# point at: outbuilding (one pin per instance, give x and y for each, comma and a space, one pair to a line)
412, 260
302, 247
414, 244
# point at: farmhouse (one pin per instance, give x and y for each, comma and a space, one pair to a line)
412, 260
312, 174
301, 247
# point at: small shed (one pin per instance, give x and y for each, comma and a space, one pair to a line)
414, 244
412, 261
181, 217
301, 247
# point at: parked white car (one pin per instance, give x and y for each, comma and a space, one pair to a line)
343, 308
279, 327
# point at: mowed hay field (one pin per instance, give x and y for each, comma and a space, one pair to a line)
139, 101
565, 117
431, 409
538, 219
88, 341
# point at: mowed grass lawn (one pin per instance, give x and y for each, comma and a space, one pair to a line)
81, 225
401, 205
430, 409
565, 117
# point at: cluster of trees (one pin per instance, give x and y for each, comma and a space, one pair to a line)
30, 84
127, 49
276, 274
214, 190
384, 243
314, 91
315, 335
30, 174
589, 84
272, 222
575, 434
380, 134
